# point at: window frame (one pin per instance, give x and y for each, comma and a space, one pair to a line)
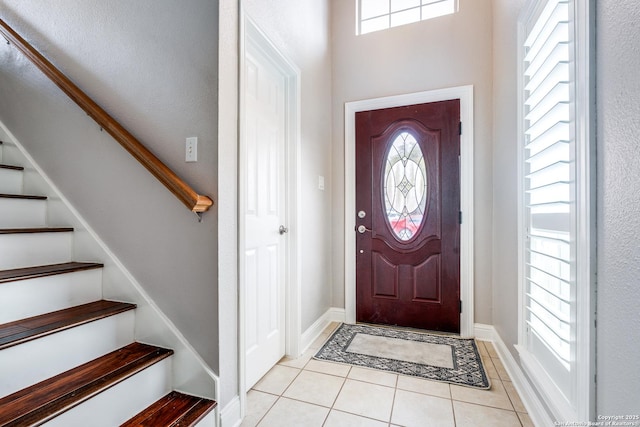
359, 20
583, 381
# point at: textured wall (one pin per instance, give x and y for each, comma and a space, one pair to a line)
444, 52
152, 64
618, 98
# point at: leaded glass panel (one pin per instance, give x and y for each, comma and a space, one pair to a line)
405, 186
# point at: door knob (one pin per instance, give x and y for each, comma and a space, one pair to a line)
361, 229
283, 229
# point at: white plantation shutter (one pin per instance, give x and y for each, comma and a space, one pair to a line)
549, 178
556, 205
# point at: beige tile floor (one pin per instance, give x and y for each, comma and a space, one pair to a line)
304, 392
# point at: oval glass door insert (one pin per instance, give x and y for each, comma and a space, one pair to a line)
405, 186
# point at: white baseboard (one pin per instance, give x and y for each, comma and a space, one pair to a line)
530, 399
337, 315
230, 415
484, 332
332, 315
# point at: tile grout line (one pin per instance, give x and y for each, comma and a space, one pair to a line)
453, 411
337, 395
502, 381
280, 396
491, 359
267, 411
393, 402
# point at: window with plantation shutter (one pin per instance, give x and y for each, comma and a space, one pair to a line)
549, 181
553, 209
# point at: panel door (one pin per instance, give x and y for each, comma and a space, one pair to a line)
263, 187
407, 216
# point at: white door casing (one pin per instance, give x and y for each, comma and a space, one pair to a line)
269, 177
465, 94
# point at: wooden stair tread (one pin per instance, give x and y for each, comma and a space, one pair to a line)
173, 410
22, 196
23, 330
49, 398
45, 270
15, 168
35, 230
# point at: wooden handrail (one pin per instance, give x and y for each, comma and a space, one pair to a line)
194, 201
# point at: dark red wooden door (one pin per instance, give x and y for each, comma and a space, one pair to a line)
407, 216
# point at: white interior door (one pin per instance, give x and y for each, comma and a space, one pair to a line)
264, 207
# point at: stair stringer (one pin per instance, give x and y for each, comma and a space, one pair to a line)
190, 372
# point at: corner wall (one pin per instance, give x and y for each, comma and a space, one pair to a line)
228, 211
505, 172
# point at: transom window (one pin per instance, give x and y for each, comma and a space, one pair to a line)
375, 15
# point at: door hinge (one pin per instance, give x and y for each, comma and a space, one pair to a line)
460, 306
460, 217
460, 128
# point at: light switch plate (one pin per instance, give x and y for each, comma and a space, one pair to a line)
191, 150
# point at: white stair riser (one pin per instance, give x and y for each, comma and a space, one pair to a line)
208, 421
28, 298
31, 249
120, 402
10, 181
15, 213
53, 354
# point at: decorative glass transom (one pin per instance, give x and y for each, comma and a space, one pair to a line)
405, 186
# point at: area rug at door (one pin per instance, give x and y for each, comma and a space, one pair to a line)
407, 352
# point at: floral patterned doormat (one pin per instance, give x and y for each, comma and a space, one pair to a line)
444, 358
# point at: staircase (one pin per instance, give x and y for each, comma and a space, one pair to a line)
68, 357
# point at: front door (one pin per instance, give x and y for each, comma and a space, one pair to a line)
408, 216
263, 206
